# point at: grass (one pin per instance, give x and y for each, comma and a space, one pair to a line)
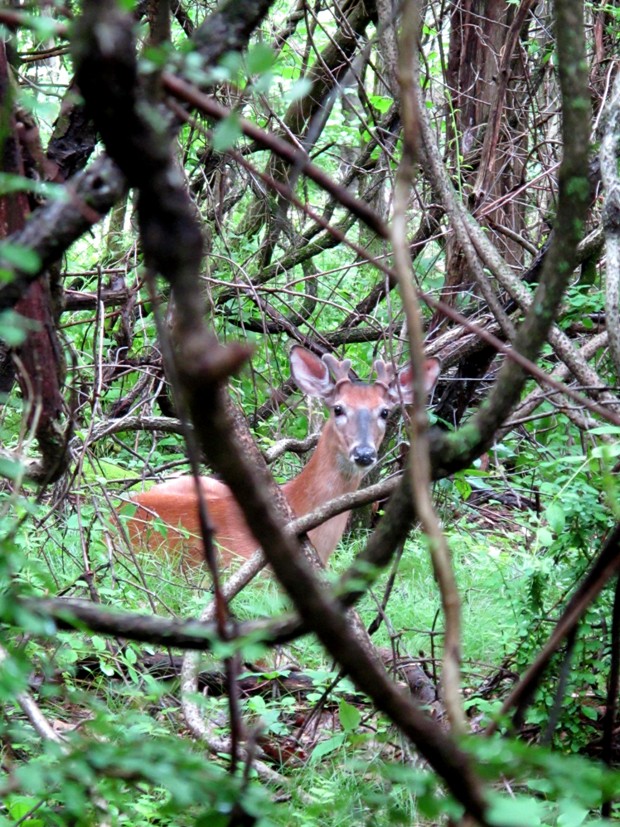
493, 573
365, 775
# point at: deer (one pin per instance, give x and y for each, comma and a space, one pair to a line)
346, 450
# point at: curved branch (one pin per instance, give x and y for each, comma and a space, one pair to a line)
108, 75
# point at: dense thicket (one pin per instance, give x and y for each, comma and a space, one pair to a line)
189, 189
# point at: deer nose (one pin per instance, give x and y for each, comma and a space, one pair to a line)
364, 456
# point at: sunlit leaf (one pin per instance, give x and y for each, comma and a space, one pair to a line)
226, 133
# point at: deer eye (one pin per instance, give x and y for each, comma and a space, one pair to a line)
385, 412
338, 410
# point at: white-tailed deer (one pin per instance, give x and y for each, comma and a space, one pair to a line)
346, 450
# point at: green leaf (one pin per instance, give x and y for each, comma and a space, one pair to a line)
350, 716
11, 469
226, 133
544, 537
606, 451
130, 655
517, 811
325, 747
14, 328
556, 517
612, 430
109, 470
19, 807
381, 103
68, 655
106, 667
571, 814
231, 61
21, 257
299, 90
463, 487
10, 183
154, 58
260, 59
45, 27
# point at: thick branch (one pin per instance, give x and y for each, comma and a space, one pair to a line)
53, 228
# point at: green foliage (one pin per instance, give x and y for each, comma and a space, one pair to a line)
100, 770
14, 328
226, 133
552, 789
260, 59
19, 256
126, 755
508, 590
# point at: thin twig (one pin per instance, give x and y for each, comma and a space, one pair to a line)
32, 711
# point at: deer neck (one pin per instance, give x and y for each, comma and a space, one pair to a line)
327, 475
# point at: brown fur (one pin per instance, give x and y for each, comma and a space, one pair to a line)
176, 504
331, 471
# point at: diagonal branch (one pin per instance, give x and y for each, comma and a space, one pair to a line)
605, 567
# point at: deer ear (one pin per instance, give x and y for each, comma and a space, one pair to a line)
310, 373
401, 387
